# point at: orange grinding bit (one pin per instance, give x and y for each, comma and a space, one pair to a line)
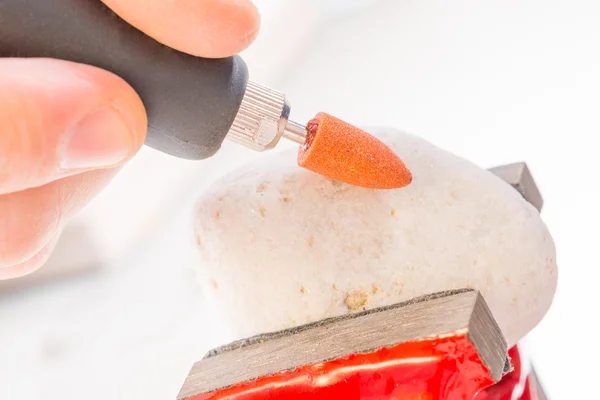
343, 152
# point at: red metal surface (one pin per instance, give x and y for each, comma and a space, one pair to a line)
440, 368
504, 389
531, 389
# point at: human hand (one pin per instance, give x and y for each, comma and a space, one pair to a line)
67, 128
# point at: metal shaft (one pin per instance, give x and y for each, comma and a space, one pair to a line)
295, 132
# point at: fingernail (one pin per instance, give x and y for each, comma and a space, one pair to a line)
100, 139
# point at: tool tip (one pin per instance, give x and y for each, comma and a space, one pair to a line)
343, 152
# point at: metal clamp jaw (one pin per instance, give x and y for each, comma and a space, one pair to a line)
446, 340
519, 177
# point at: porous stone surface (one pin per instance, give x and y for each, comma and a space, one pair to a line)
280, 246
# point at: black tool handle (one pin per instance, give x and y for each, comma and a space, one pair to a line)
191, 102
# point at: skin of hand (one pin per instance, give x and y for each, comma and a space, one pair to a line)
67, 128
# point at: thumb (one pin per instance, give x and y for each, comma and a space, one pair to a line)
59, 118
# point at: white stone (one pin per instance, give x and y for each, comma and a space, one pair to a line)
281, 246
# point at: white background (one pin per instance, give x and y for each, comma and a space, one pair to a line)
495, 82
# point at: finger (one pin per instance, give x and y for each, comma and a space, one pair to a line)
59, 118
204, 28
31, 219
32, 264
